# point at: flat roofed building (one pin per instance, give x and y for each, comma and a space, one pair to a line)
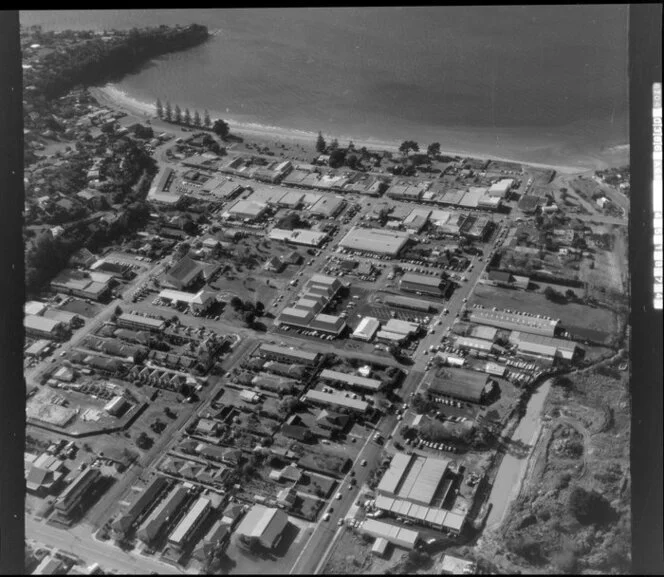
389, 336
336, 400
49, 565
352, 381
246, 209
484, 332
116, 405
292, 199
514, 321
541, 345
164, 512
133, 321
495, 369
405, 328
295, 316
117, 270
80, 284
489, 202
192, 520
409, 303
431, 285
72, 496
332, 324
199, 301
43, 327
399, 536
328, 206
474, 343
263, 524
379, 241
366, 329
286, 354
34, 308
501, 188
459, 383
299, 236
38, 348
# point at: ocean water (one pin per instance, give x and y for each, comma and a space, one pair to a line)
539, 83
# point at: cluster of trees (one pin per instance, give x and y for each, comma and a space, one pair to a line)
176, 115
92, 59
558, 297
249, 310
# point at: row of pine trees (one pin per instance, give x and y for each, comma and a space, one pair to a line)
175, 114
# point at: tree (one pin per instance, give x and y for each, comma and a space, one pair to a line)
433, 150
351, 161
337, 158
168, 113
178, 114
260, 308
236, 303
589, 507
160, 109
320, 143
249, 318
187, 117
206, 120
553, 295
197, 118
221, 129
334, 144
407, 146
351, 145
288, 405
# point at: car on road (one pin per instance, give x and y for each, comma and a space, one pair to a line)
338, 496
326, 517
364, 462
340, 522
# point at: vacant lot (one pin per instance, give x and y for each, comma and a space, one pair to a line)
82, 308
575, 317
352, 555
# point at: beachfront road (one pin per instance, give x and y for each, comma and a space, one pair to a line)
79, 543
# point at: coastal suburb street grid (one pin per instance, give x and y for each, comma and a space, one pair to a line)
248, 353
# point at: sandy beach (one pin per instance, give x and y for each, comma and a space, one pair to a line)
292, 141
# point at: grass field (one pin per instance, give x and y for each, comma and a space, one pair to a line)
581, 319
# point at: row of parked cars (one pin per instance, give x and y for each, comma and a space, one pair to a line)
436, 446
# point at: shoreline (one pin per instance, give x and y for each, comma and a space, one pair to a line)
112, 97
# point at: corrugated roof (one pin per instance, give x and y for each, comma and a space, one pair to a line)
374, 240
199, 509
392, 477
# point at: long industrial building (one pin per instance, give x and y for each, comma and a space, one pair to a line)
38, 326
542, 346
192, 520
409, 303
415, 487
399, 536
135, 511
430, 285
374, 240
133, 321
514, 321
162, 514
285, 354
263, 524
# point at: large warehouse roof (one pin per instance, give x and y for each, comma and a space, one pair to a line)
393, 533
367, 328
460, 383
413, 478
421, 279
514, 321
474, 343
42, 324
374, 240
